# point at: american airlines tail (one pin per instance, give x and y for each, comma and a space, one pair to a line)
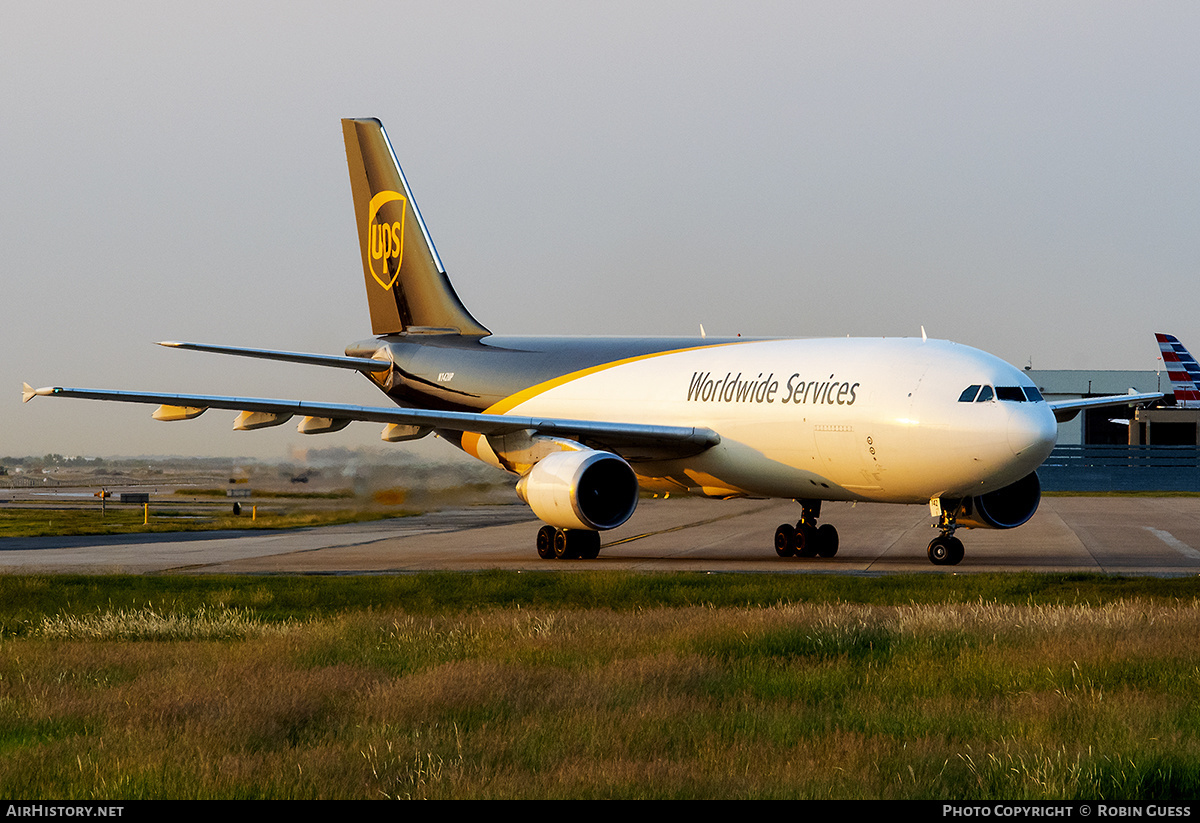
407, 286
1182, 370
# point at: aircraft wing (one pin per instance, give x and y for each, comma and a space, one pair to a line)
1065, 410
634, 441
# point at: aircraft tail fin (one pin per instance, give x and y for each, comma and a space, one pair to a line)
407, 286
1182, 369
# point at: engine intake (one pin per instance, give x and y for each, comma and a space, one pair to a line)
583, 489
1004, 508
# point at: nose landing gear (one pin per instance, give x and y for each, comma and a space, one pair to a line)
946, 549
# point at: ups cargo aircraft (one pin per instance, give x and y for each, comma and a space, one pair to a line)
586, 423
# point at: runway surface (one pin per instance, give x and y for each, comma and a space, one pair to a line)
1116, 535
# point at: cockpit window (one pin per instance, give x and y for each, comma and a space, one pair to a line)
1010, 394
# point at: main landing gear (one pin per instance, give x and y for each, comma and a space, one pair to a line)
567, 544
946, 549
806, 539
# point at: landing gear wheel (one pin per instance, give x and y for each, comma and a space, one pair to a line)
938, 551
567, 544
564, 546
827, 540
785, 540
956, 552
589, 544
946, 550
545, 542
806, 540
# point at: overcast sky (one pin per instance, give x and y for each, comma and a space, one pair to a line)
1019, 177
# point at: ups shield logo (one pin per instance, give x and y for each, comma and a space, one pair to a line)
385, 236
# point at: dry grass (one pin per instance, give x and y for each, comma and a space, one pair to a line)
955, 701
149, 623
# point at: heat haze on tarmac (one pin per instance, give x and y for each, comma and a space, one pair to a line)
1108, 535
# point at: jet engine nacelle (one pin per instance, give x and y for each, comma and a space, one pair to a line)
583, 489
1004, 508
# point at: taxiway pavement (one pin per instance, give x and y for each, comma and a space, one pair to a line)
1113, 535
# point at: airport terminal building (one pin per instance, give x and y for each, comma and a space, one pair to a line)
1120, 448
1097, 427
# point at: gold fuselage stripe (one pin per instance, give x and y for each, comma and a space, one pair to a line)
470, 440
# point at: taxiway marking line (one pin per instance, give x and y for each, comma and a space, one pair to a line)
1174, 542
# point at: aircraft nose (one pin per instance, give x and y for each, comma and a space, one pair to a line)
1032, 430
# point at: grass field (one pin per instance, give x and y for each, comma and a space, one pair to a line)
43, 522
607, 685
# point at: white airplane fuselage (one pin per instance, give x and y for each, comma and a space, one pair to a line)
834, 419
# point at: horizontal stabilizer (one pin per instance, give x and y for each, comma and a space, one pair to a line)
362, 364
